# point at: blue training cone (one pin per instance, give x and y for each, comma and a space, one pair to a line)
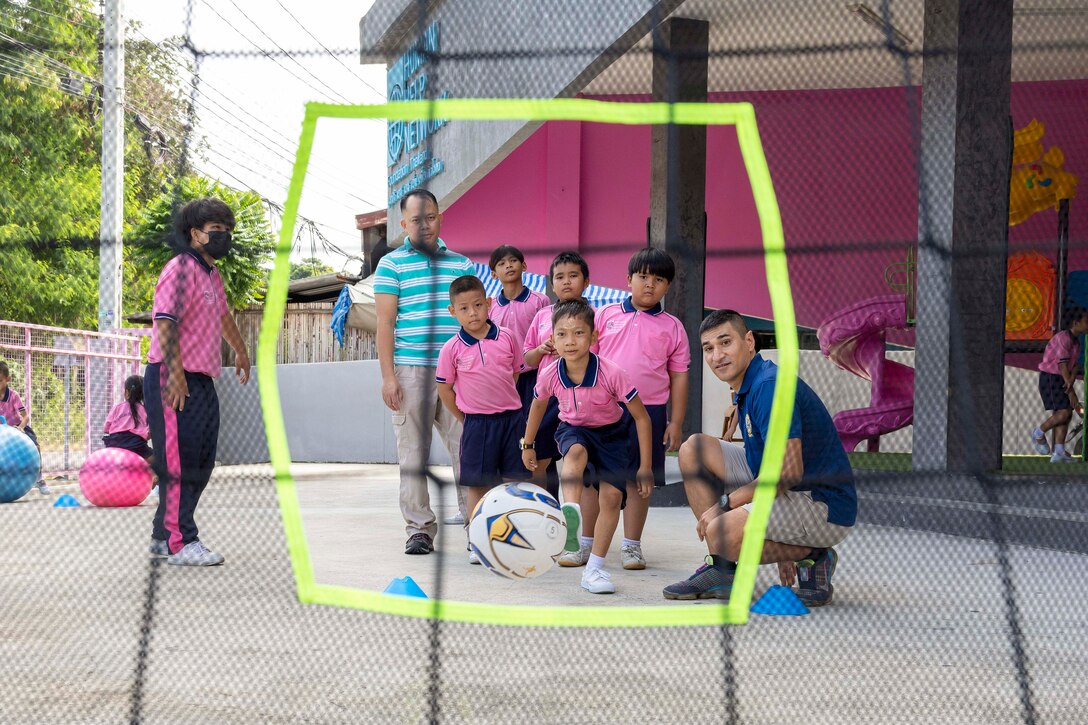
406, 587
779, 601
65, 501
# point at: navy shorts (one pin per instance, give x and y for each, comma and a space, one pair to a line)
659, 420
32, 436
546, 442
525, 384
490, 450
129, 441
607, 447
1052, 390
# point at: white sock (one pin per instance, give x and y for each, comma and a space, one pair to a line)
586, 542
595, 562
632, 542
1059, 449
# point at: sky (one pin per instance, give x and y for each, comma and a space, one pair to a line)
251, 106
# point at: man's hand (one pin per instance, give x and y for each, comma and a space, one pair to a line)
644, 479
528, 457
177, 390
674, 436
787, 573
704, 521
392, 394
241, 367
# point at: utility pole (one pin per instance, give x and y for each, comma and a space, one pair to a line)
113, 166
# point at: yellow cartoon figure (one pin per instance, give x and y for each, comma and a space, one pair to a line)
1038, 181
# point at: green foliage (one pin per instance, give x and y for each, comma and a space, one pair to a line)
309, 267
243, 270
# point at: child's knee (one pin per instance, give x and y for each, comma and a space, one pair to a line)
576, 455
610, 496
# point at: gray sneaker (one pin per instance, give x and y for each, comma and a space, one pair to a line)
159, 548
708, 582
631, 556
42, 488
456, 520
195, 554
575, 558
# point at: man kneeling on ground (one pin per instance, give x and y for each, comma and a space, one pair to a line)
815, 505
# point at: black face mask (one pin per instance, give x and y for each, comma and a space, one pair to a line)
218, 244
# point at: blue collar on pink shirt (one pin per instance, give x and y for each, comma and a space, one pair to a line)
588, 380
628, 307
196, 255
492, 334
501, 300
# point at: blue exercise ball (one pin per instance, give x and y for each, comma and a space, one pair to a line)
20, 464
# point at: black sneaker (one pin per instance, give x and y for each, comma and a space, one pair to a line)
708, 582
418, 544
814, 586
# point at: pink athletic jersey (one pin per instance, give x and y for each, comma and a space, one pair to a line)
648, 344
482, 371
517, 314
1062, 348
592, 403
11, 407
540, 329
190, 292
120, 420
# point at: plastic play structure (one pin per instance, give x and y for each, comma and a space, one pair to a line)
853, 339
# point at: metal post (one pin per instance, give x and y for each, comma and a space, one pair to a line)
113, 166
67, 395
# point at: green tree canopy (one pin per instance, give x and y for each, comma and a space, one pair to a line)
309, 267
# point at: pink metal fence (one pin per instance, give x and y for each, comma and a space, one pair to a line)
69, 380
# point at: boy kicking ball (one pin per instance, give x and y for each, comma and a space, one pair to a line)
593, 428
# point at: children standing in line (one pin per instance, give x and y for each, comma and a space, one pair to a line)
1057, 374
569, 276
126, 425
593, 428
190, 315
17, 416
515, 307
475, 375
652, 347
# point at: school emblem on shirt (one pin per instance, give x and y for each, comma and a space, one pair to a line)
209, 297
748, 424
615, 324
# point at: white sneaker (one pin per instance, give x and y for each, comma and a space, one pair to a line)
597, 581
195, 554
575, 558
631, 556
42, 488
456, 520
1062, 458
1039, 441
472, 558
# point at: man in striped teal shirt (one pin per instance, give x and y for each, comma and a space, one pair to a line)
411, 295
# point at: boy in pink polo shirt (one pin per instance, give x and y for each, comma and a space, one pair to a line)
1057, 373
652, 347
475, 374
515, 307
593, 428
190, 314
16, 415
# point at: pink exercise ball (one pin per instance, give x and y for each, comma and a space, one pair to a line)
115, 477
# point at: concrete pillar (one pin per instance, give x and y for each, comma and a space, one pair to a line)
965, 155
678, 185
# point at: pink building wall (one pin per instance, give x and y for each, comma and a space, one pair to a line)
843, 166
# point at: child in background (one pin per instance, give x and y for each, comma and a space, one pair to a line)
1057, 373
475, 375
593, 429
569, 276
126, 425
652, 347
515, 307
17, 416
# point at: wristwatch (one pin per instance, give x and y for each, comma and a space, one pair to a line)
527, 445
724, 502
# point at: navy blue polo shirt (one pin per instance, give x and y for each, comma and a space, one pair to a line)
827, 470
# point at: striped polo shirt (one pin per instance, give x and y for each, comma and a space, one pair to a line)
422, 286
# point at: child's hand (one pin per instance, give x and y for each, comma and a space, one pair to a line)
177, 390
674, 436
528, 457
547, 347
644, 479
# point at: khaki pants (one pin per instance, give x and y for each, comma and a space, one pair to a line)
420, 412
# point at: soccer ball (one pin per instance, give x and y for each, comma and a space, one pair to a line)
517, 530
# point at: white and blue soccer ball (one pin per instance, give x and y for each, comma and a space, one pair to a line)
517, 530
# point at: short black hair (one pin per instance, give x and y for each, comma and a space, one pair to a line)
505, 250
418, 192
466, 283
569, 258
4, 369
651, 260
199, 212
1074, 314
717, 318
578, 309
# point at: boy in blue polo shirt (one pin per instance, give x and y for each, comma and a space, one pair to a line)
815, 507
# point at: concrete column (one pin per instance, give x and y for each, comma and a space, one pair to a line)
965, 155
678, 185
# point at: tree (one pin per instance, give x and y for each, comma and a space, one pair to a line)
244, 270
309, 267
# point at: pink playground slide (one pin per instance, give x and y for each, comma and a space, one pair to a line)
853, 339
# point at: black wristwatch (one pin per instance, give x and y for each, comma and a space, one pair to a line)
724, 502
527, 445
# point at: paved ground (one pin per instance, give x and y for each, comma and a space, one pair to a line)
919, 631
